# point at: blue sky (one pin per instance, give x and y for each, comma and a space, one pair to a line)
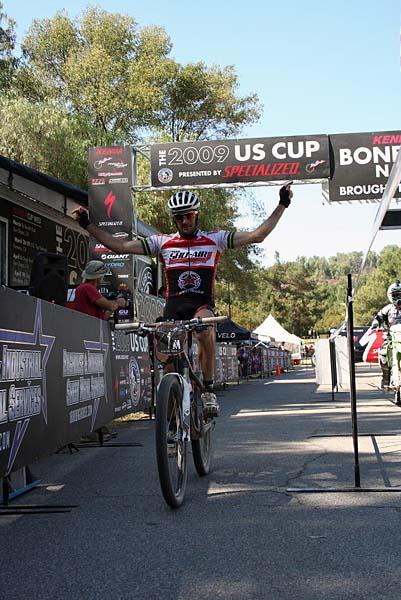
317, 68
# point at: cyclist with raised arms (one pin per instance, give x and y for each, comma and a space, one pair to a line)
189, 258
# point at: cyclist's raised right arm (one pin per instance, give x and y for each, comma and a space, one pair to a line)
120, 246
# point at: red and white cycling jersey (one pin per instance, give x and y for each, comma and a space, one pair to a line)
189, 263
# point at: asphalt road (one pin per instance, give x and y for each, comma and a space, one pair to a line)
240, 535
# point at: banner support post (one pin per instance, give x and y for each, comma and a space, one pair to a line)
333, 367
351, 361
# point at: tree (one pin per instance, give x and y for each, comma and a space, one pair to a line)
372, 294
201, 103
44, 137
8, 62
100, 67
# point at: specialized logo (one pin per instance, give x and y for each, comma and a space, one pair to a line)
189, 281
134, 375
109, 201
165, 175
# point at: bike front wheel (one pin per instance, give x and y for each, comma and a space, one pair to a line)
202, 441
171, 449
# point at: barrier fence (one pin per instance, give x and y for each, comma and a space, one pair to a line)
64, 374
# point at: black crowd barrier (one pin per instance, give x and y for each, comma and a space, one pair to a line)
64, 374
61, 376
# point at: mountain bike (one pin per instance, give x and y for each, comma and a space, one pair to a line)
180, 414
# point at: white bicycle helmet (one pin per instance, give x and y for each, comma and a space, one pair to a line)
394, 293
182, 202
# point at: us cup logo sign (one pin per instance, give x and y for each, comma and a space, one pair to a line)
134, 374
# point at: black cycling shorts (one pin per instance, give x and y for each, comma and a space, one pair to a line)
184, 309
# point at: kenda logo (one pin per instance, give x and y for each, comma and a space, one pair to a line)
103, 151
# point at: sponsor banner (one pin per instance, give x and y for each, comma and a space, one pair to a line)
144, 275
30, 233
392, 219
362, 163
148, 308
233, 162
132, 373
55, 378
62, 376
111, 209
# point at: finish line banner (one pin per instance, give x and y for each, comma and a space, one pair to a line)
362, 165
227, 163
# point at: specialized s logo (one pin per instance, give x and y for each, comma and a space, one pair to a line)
108, 202
189, 281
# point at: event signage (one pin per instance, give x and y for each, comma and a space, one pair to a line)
235, 162
132, 373
55, 378
392, 219
62, 376
30, 233
110, 208
361, 165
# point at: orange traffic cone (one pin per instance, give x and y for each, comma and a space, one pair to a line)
278, 372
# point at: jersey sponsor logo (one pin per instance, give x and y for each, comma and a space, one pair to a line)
189, 281
196, 256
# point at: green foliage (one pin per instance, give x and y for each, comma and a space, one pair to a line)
201, 103
44, 137
8, 62
372, 295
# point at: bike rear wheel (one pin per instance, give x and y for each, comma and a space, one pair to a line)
202, 443
171, 450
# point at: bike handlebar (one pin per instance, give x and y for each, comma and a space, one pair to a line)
136, 325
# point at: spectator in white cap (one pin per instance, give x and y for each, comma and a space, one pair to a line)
88, 299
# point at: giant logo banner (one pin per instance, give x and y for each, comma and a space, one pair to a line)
235, 162
361, 165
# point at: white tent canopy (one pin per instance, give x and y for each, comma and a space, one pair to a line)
270, 328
